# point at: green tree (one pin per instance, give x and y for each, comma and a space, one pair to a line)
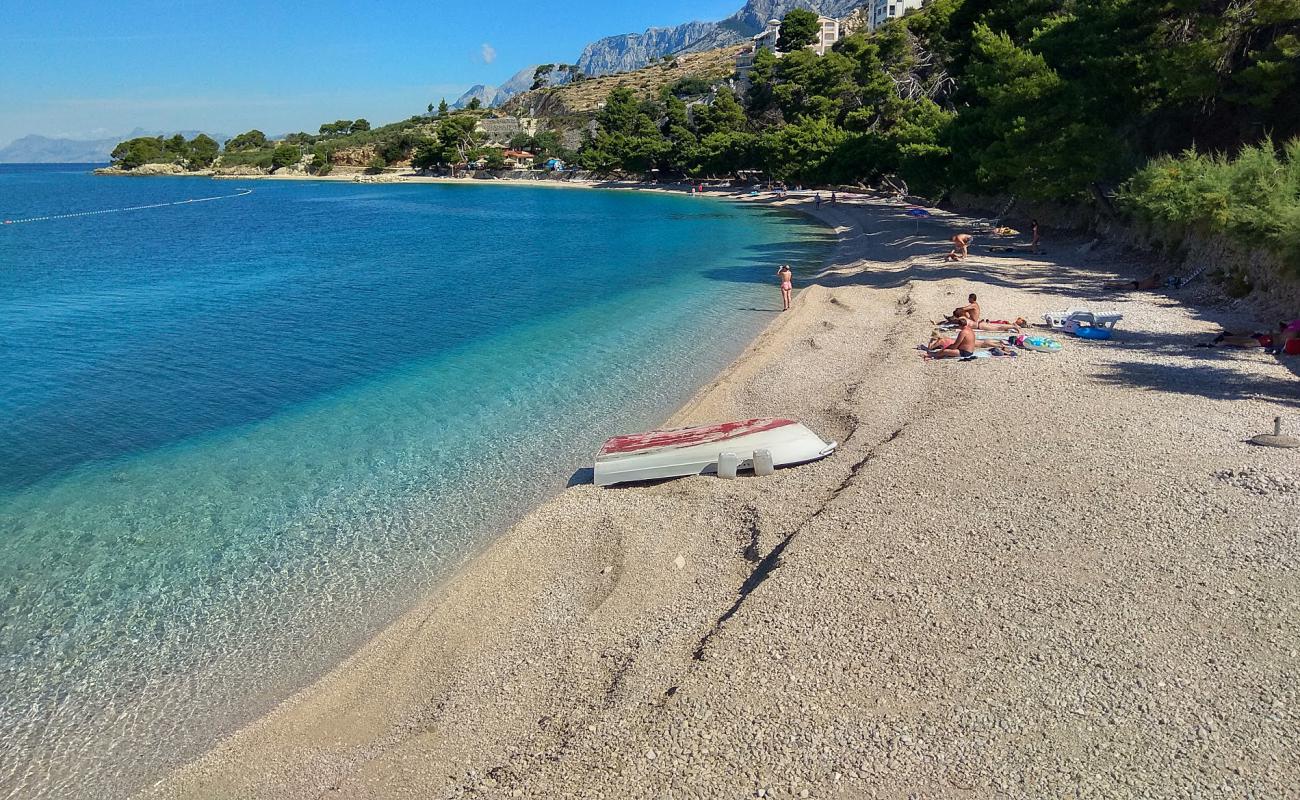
442, 107
494, 160
251, 140
723, 115
458, 138
203, 151
134, 153
799, 28
540, 75
286, 155
376, 166
320, 162
429, 109
801, 150
359, 126
474, 104
427, 156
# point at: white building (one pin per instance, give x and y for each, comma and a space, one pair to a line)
883, 11
828, 34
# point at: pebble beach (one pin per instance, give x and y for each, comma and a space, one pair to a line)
1056, 575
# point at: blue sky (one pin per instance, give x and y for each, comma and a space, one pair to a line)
86, 69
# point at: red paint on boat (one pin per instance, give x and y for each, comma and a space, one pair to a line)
688, 437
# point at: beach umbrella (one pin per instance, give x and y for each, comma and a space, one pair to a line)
919, 214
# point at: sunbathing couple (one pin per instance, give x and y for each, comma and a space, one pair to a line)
964, 346
971, 313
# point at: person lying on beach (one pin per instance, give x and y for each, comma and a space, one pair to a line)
960, 247
940, 342
1247, 340
1146, 284
1002, 325
961, 347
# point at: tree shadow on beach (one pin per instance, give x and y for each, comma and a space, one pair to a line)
1215, 381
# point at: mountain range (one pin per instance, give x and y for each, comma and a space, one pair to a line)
629, 51
36, 149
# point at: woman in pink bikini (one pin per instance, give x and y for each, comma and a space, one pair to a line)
785, 275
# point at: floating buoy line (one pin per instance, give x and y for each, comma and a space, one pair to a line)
240, 193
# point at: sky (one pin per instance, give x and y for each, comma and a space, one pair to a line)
88, 69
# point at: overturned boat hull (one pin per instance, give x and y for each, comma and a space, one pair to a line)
678, 452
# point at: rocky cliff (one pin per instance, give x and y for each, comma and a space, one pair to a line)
635, 50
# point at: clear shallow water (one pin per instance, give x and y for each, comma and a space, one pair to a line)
237, 437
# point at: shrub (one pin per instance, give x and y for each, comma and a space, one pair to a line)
1253, 198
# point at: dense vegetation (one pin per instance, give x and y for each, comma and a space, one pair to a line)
1254, 198
197, 153
1039, 98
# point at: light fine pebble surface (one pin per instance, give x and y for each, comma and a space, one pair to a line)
1058, 575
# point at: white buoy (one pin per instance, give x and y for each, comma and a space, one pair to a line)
727, 465
763, 462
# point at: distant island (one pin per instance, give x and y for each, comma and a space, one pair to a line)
34, 149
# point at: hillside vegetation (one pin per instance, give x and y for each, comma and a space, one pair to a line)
1042, 99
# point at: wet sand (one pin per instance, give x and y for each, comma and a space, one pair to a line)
1051, 575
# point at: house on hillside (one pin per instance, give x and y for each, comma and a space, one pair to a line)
883, 11
829, 33
518, 159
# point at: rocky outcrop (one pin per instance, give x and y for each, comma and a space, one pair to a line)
635, 50
145, 170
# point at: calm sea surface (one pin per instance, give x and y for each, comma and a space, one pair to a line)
238, 436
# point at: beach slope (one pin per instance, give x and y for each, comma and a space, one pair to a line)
1062, 574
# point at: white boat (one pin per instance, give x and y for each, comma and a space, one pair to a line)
693, 451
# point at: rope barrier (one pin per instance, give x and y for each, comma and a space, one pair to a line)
240, 193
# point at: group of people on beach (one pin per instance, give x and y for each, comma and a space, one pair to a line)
968, 319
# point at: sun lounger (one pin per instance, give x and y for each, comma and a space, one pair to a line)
1073, 319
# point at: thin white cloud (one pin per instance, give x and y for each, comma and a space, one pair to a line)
489, 53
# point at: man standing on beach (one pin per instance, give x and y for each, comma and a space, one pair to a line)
960, 247
817, 198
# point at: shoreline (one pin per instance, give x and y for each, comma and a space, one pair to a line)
668, 637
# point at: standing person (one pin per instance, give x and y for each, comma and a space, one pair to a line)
785, 275
832, 198
960, 247
817, 198
1033, 244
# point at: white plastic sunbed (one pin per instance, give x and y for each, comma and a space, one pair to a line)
1075, 318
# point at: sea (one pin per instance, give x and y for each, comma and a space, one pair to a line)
244, 425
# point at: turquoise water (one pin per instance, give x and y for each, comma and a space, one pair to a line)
239, 436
